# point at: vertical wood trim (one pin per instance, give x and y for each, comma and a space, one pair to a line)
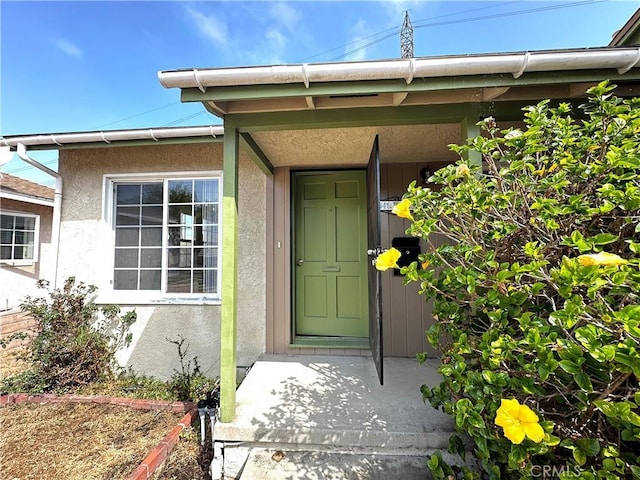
286, 251
280, 258
229, 314
469, 129
270, 273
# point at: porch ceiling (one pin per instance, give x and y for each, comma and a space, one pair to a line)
352, 146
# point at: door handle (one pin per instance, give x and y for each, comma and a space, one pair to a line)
299, 262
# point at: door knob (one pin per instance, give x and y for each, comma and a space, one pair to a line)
299, 262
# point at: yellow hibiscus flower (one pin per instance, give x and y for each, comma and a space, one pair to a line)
518, 421
462, 170
388, 259
402, 209
602, 259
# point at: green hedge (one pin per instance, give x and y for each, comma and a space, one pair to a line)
535, 279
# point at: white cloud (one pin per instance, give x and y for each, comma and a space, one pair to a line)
209, 26
68, 47
276, 40
284, 15
356, 48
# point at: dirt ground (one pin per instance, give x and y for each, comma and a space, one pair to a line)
89, 441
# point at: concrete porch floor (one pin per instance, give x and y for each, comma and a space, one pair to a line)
332, 405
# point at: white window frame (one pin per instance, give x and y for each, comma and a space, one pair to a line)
36, 239
108, 294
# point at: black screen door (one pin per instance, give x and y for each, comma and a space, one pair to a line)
373, 239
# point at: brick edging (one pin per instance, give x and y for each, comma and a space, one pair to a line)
158, 455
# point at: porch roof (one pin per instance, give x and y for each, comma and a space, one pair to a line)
441, 80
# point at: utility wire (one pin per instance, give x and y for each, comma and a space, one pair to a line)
137, 115
465, 20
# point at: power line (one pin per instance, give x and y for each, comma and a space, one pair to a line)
138, 115
465, 20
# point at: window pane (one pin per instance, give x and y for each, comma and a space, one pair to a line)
150, 279
126, 258
125, 280
179, 257
127, 194
5, 253
180, 191
180, 214
6, 221
210, 235
6, 236
25, 223
152, 193
205, 257
151, 215
127, 237
207, 214
179, 281
22, 252
128, 216
205, 281
151, 258
206, 190
151, 236
24, 238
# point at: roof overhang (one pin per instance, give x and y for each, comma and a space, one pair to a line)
445, 80
116, 138
26, 198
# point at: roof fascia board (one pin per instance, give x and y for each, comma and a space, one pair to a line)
379, 116
123, 143
352, 117
26, 199
365, 87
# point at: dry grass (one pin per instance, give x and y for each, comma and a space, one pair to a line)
77, 441
87, 441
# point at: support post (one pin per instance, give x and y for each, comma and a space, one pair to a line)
469, 129
229, 327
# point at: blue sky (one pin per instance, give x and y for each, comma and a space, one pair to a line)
75, 66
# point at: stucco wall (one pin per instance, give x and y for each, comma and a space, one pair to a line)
85, 253
16, 282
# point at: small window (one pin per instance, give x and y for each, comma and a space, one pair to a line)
19, 238
166, 236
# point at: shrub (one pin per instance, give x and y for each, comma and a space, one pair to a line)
75, 341
533, 266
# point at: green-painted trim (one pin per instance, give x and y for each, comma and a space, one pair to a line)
330, 342
470, 129
128, 143
256, 154
372, 116
260, 92
229, 320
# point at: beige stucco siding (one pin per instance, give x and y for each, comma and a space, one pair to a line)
86, 252
16, 282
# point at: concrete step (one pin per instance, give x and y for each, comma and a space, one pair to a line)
270, 464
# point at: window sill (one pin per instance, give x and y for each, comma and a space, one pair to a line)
126, 298
17, 263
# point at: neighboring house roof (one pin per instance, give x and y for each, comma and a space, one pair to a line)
16, 188
114, 138
629, 34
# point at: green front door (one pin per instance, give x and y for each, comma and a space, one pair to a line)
330, 254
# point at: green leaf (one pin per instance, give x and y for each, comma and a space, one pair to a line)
584, 382
590, 446
579, 456
570, 367
604, 238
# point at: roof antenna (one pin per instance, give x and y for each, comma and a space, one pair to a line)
406, 37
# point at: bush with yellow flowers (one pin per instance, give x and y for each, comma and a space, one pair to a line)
534, 268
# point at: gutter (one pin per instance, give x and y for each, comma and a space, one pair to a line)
62, 139
57, 205
516, 64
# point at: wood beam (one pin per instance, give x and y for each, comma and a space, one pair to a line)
310, 102
492, 93
256, 154
229, 314
399, 97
